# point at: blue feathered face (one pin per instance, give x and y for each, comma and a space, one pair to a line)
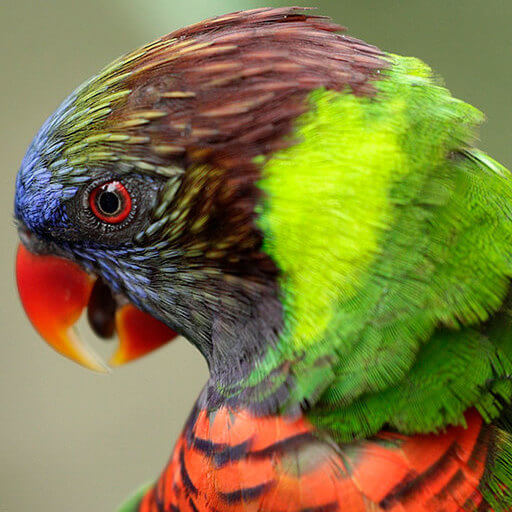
62, 199
89, 214
40, 196
92, 217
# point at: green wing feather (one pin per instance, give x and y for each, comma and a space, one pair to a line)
466, 356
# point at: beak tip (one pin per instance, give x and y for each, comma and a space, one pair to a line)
99, 368
84, 355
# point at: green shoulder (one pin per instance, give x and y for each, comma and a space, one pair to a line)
392, 236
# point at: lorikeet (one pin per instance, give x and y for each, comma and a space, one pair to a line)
310, 213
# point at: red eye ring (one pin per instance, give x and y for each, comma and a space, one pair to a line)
110, 202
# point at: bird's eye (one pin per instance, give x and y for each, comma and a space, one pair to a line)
110, 202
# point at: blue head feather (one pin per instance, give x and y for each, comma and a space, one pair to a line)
39, 197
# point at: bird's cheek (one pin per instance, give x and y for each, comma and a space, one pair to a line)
55, 292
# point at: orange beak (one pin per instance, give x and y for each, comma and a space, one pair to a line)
55, 292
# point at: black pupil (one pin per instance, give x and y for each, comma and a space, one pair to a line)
109, 203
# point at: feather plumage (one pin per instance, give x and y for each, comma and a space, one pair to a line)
316, 220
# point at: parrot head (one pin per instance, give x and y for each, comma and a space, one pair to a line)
139, 198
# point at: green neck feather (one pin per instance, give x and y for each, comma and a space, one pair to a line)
370, 219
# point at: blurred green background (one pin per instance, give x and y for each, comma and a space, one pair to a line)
74, 441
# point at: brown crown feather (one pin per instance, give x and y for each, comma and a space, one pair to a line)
226, 90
